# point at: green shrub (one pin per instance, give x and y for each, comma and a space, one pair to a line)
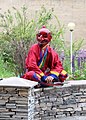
19, 33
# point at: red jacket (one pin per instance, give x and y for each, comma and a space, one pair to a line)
44, 63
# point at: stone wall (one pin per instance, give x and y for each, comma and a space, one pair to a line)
52, 103
66, 10
16, 99
57, 102
13, 103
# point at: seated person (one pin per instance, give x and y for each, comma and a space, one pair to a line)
42, 62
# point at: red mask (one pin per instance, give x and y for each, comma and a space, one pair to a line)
44, 36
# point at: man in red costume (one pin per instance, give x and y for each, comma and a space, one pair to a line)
42, 62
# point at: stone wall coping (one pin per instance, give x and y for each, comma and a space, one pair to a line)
68, 83
20, 82
74, 83
17, 82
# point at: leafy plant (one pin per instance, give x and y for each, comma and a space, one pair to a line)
5, 71
18, 34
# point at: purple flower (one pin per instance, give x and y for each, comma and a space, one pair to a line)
73, 62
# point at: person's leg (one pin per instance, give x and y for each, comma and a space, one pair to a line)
31, 75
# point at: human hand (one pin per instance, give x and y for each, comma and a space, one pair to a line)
49, 79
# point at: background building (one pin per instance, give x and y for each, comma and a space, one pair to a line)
66, 10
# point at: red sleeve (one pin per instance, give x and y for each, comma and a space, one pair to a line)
56, 67
31, 62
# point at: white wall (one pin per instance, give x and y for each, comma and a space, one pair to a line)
66, 10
